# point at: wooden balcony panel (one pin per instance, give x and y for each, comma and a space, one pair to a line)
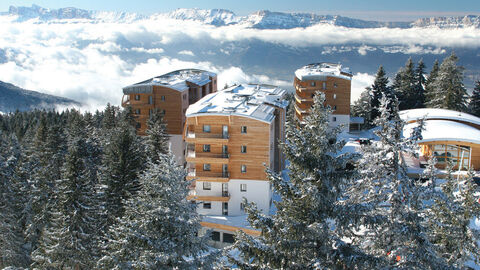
209, 198
303, 99
300, 111
208, 176
205, 138
206, 157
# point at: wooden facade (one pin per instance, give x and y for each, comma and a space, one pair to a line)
474, 157
337, 94
170, 101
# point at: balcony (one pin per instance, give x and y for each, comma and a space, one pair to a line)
302, 99
206, 137
125, 100
207, 157
208, 176
300, 111
223, 197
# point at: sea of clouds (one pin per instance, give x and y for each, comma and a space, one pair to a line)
91, 62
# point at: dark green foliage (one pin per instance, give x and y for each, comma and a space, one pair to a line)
299, 235
408, 85
379, 88
474, 105
157, 136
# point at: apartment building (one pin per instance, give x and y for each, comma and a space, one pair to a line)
232, 136
331, 79
170, 94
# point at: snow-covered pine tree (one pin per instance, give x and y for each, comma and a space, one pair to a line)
380, 88
386, 206
300, 234
118, 175
450, 221
12, 252
159, 227
157, 136
474, 105
71, 241
404, 86
429, 89
448, 91
361, 107
47, 155
420, 82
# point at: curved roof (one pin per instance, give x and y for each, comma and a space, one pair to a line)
176, 80
254, 100
319, 71
417, 114
444, 130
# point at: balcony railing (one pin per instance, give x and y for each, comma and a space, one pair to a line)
194, 173
303, 99
193, 154
299, 110
193, 135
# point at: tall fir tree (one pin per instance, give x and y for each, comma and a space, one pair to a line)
429, 89
404, 86
447, 90
474, 105
420, 82
380, 88
159, 227
300, 235
118, 175
157, 136
72, 240
387, 219
450, 221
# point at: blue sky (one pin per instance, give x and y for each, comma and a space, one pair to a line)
366, 9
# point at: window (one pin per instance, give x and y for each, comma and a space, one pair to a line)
216, 236
206, 148
162, 98
324, 85
137, 97
150, 112
150, 99
138, 125
312, 84
243, 187
184, 96
334, 107
206, 167
207, 186
137, 111
243, 149
228, 238
244, 129
334, 96
243, 169
206, 128
242, 206
207, 205
334, 119
335, 85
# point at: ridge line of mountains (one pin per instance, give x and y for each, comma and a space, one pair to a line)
263, 19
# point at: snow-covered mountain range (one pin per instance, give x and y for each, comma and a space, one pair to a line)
263, 19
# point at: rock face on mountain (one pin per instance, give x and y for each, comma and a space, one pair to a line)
14, 98
263, 19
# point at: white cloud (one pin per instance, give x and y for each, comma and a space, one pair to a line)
84, 61
186, 52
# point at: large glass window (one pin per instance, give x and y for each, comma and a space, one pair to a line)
456, 155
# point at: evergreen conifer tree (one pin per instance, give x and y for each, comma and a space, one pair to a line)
71, 240
300, 235
450, 221
404, 86
420, 82
158, 229
474, 104
157, 136
387, 219
429, 89
361, 107
380, 88
448, 91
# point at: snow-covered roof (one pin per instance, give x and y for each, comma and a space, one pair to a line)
319, 71
417, 114
444, 130
252, 100
176, 80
